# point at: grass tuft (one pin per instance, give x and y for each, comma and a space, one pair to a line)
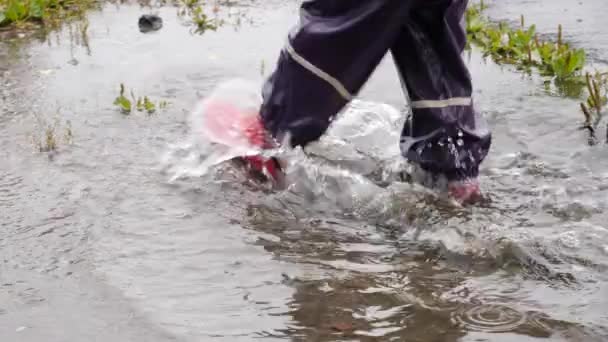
561, 65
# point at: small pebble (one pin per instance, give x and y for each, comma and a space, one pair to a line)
150, 22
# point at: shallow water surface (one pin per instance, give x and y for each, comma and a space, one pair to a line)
121, 236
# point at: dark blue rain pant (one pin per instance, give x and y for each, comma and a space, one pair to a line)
339, 43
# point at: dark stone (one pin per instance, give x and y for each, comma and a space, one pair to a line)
150, 22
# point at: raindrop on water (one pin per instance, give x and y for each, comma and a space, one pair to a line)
489, 318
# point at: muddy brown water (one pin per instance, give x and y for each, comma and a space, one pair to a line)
118, 236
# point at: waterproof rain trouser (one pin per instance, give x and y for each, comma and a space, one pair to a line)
334, 50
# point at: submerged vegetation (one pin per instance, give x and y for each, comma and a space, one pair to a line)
49, 136
200, 19
523, 48
593, 108
48, 13
141, 104
206, 16
561, 65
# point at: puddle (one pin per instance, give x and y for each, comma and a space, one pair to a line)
337, 258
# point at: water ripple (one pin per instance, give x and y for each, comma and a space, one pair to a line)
489, 318
9, 189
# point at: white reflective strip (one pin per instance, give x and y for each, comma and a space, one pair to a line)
319, 73
454, 101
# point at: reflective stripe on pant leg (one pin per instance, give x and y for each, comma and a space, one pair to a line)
444, 135
327, 60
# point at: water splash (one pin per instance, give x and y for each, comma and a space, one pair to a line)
359, 151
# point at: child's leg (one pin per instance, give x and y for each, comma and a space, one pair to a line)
444, 135
325, 62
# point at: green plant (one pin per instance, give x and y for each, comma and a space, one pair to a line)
144, 104
520, 44
140, 103
566, 64
204, 16
561, 64
45, 12
493, 42
597, 99
202, 22
523, 48
545, 52
474, 24
122, 101
14, 11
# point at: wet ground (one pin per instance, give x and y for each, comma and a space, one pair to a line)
120, 236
